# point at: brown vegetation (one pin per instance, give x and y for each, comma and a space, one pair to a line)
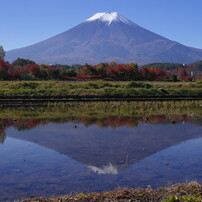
180, 192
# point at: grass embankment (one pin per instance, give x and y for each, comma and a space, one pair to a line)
100, 88
191, 192
102, 110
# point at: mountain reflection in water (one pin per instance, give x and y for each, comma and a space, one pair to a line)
70, 154
107, 169
112, 147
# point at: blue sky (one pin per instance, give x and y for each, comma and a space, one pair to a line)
24, 22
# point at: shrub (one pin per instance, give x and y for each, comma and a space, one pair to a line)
199, 82
135, 84
26, 85
92, 85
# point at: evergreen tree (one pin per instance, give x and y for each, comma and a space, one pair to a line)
23, 62
2, 53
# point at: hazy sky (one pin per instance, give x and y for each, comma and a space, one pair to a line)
24, 22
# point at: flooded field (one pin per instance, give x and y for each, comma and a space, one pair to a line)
88, 147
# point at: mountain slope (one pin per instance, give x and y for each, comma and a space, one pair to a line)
107, 37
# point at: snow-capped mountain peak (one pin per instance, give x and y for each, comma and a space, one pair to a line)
106, 37
109, 18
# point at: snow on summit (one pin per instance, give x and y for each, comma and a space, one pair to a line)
109, 18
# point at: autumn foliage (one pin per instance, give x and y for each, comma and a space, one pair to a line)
28, 70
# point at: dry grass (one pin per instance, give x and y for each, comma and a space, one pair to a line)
180, 192
95, 88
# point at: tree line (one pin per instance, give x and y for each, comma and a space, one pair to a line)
25, 69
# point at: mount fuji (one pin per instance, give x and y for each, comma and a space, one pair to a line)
107, 37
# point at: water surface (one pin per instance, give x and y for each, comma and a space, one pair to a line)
48, 158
